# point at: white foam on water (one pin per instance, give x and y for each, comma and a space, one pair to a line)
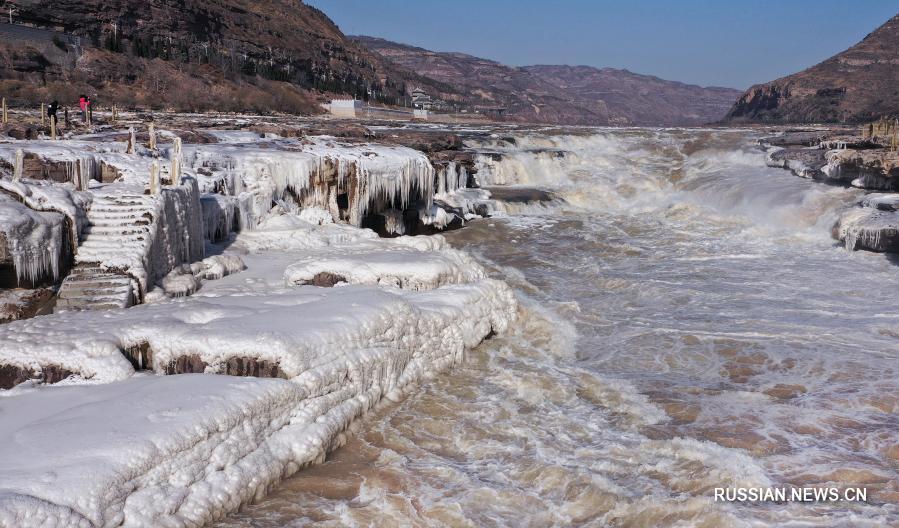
688, 324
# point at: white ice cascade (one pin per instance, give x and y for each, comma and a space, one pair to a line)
34, 239
372, 176
451, 177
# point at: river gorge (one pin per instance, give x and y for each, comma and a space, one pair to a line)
688, 324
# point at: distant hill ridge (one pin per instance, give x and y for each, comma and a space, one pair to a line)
856, 85
581, 95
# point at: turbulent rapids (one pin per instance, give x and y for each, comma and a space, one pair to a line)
688, 323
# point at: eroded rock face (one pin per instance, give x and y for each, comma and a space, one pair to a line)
560, 94
310, 53
760, 101
325, 279
803, 162
12, 375
141, 358
875, 169
22, 304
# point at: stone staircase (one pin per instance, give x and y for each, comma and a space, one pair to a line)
115, 238
89, 287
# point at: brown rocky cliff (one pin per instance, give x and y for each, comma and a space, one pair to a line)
857, 85
192, 55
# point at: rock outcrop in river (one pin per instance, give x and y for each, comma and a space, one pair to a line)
867, 161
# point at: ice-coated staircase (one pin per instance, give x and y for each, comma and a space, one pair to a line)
115, 238
89, 287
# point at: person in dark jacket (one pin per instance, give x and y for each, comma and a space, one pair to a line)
51, 109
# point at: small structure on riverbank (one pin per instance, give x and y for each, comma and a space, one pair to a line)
355, 108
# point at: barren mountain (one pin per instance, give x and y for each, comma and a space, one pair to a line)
562, 94
639, 99
489, 85
191, 55
857, 85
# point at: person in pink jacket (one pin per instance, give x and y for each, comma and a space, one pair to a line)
82, 103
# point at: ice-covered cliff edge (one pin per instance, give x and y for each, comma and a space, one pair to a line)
111, 444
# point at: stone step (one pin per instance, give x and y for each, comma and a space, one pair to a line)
100, 250
116, 282
119, 197
121, 242
123, 200
115, 230
104, 278
98, 293
91, 288
118, 230
109, 210
112, 222
84, 304
96, 274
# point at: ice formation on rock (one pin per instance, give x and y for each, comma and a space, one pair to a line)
222, 215
451, 178
219, 266
872, 225
34, 240
46, 196
76, 161
316, 172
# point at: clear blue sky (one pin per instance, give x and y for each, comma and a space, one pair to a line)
733, 43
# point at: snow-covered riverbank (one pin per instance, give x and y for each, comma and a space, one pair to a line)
327, 317
184, 450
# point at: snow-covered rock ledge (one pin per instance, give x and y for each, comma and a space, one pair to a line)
185, 450
106, 447
872, 225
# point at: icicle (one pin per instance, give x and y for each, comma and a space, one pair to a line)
393, 222
36, 252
